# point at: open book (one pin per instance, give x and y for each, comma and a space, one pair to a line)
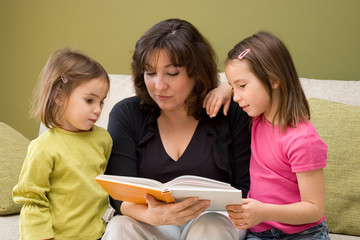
133, 189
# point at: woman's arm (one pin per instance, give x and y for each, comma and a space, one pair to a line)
125, 127
310, 209
240, 147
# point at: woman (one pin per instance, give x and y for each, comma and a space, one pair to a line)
164, 132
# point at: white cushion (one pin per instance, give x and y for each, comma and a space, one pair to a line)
121, 86
341, 91
348, 92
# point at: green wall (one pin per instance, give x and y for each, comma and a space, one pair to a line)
322, 35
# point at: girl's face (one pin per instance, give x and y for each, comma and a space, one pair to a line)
83, 107
249, 92
168, 85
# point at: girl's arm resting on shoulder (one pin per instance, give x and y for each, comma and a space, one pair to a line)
309, 210
216, 98
159, 213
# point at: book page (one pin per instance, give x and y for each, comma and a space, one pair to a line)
196, 181
218, 198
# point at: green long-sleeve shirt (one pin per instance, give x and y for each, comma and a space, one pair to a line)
58, 188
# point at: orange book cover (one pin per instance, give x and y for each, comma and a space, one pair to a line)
133, 193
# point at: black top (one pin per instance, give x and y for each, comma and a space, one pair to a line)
228, 140
197, 159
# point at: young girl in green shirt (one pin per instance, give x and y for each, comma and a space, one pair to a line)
57, 182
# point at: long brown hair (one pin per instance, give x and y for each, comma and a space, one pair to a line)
271, 62
185, 47
64, 71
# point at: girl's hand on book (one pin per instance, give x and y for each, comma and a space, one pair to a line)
246, 215
216, 98
174, 213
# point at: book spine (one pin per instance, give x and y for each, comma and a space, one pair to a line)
167, 197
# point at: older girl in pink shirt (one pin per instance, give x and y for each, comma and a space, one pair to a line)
287, 192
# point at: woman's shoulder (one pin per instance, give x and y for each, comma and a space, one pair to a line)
128, 107
133, 102
236, 114
235, 120
234, 111
129, 110
234, 107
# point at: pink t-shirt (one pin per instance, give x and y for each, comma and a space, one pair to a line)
275, 159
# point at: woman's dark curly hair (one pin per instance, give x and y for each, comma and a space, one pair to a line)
185, 47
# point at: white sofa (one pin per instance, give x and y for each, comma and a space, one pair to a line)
346, 92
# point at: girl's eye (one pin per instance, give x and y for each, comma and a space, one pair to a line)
89, 100
242, 85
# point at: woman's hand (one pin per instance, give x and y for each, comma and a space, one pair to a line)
216, 98
247, 215
159, 213
174, 214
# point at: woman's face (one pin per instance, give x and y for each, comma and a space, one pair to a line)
168, 85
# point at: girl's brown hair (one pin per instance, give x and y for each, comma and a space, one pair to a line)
271, 62
64, 71
185, 47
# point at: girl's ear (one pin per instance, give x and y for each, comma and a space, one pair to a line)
274, 84
59, 98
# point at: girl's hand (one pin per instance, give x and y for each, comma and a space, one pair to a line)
246, 215
216, 98
159, 213
310, 209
